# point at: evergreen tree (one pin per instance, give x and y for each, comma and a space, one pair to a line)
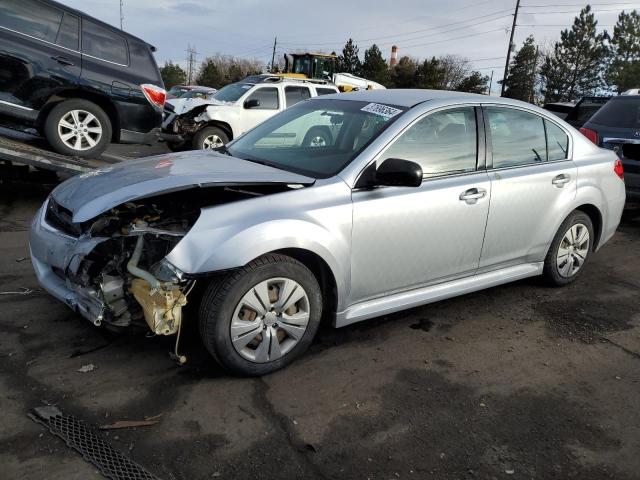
473, 83
521, 78
575, 66
404, 73
210, 75
624, 69
349, 61
172, 75
374, 66
431, 74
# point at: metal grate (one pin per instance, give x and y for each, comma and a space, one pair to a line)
77, 435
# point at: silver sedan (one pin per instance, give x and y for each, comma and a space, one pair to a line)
402, 198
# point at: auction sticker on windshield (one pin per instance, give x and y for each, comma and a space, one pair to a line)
382, 110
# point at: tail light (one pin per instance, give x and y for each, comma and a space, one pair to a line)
619, 169
590, 134
156, 95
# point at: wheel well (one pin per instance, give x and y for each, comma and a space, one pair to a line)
596, 218
222, 125
100, 100
323, 274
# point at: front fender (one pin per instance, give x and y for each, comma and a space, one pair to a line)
316, 219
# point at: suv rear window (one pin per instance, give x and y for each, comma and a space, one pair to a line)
101, 43
325, 91
621, 112
31, 18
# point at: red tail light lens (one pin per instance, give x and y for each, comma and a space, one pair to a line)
590, 134
156, 95
619, 169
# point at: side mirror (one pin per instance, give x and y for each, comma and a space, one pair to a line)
252, 103
396, 172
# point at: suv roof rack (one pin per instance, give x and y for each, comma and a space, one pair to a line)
268, 78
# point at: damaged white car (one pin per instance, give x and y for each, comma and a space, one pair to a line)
414, 196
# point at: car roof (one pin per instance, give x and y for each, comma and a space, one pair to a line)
412, 97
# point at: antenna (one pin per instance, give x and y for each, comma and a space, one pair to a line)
121, 14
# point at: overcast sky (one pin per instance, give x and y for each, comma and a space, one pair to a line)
477, 30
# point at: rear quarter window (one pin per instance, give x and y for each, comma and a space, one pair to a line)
102, 43
621, 112
31, 18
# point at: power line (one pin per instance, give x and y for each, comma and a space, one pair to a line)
580, 5
573, 11
454, 38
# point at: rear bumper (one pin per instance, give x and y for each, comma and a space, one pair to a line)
632, 179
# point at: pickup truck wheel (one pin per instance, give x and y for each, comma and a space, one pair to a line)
570, 250
317, 137
209, 138
78, 128
262, 316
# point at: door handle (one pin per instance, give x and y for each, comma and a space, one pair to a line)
472, 195
561, 180
63, 60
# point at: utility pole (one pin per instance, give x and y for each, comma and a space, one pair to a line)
273, 55
121, 14
490, 83
506, 65
191, 58
533, 77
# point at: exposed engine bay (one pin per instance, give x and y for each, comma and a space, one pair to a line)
118, 268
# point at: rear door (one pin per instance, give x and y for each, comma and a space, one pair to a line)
532, 181
38, 55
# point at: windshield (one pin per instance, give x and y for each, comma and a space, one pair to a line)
621, 112
317, 138
232, 92
197, 94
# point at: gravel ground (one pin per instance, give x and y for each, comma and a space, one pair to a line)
519, 381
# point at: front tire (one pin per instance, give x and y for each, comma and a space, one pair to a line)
570, 250
78, 128
261, 317
210, 138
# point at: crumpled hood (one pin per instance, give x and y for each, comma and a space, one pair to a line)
183, 105
97, 191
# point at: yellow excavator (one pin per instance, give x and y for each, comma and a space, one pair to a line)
321, 67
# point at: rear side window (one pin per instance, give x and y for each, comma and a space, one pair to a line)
31, 18
325, 91
517, 137
268, 98
557, 142
99, 42
68, 34
621, 112
294, 95
441, 143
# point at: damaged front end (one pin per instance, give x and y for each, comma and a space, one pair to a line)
114, 267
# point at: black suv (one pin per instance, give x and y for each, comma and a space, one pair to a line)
80, 82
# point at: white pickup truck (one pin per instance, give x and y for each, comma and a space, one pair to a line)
238, 107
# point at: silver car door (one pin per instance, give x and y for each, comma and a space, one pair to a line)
406, 237
528, 192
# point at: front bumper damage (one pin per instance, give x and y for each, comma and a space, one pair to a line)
57, 256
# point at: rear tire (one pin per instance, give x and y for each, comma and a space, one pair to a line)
210, 138
78, 128
570, 250
317, 137
242, 324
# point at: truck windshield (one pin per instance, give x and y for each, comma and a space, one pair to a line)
232, 92
317, 138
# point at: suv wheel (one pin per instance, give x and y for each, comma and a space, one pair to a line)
209, 138
570, 249
261, 317
78, 128
317, 137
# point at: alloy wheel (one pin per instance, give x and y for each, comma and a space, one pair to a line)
573, 250
211, 142
318, 141
270, 319
79, 130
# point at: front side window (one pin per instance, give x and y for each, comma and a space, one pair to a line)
517, 137
317, 138
267, 98
31, 18
68, 36
441, 143
294, 95
557, 142
99, 42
